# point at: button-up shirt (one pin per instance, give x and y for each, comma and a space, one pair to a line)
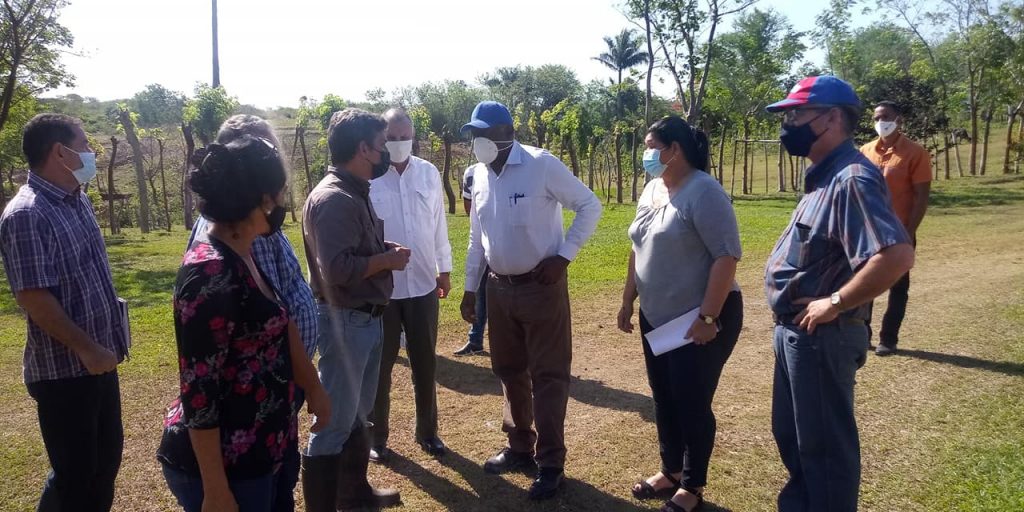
844, 218
277, 262
50, 240
341, 231
516, 217
412, 208
904, 164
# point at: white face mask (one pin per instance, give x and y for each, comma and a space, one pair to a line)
885, 128
400, 150
486, 150
87, 171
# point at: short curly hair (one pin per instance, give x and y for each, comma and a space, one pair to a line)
233, 178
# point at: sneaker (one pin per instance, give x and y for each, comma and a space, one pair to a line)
885, 350
469, 349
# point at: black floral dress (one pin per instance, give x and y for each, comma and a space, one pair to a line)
234, 363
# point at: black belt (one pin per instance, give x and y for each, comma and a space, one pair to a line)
843, 320
513, 280
371, 309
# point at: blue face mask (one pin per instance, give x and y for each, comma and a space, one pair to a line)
652, 162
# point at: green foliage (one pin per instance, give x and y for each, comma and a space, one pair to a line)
22, 109
207, 110
449, 104
157, 106
31, 43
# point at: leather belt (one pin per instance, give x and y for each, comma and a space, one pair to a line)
371, 309
843, 320
515, 280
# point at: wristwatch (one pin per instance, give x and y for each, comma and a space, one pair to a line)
837, 301
708, 319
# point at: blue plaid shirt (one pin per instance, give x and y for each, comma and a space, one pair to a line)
50, 240
277, 261
844, 218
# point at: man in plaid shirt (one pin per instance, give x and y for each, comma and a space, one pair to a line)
844, 246
56, 265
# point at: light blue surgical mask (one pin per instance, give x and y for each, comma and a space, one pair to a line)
652, 162
87, 172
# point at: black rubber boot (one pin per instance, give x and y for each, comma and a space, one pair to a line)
320, 482
354, 490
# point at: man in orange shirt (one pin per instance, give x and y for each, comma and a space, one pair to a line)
907, 169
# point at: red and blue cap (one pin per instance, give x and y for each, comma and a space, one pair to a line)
817, 90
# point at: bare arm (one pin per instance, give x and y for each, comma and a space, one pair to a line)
466, 204
921, 193
629, 295
720, 280
216, 493
44, 310
307, 379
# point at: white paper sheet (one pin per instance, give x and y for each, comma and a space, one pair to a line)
672, 335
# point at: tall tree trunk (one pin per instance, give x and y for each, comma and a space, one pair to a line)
984, 148
632, 162
1020, 145
746, 147
1009, 137
782, 171
216, 50
972, 98
574, 157
446, 176
140, 173
735, 149
946, 138
163, 184
767, 167
720, 167
3, 188
650, 63
300, 135
618, 166
590, 174
111, 212
8, 95
956, 155
186, 190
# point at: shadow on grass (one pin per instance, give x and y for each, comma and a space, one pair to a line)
145, 287
494, 492
972, 194
1005, 367
470, 379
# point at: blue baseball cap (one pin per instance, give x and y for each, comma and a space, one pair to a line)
817, 90
488, 114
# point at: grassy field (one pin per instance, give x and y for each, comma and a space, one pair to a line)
942, 424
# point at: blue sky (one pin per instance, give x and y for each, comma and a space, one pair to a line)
272, 51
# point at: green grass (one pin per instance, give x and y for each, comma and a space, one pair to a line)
966, 422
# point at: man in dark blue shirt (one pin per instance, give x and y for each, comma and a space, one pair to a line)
844, 246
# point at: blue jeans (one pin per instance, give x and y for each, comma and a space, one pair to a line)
812, 414
251, 494
349, 343
476, 330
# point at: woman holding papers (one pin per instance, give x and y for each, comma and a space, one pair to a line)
685, 248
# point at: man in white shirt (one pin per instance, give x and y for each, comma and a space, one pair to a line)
516, 230
475, 343
408, 198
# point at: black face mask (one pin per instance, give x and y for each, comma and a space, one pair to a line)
381, 168
798, 139
275, 219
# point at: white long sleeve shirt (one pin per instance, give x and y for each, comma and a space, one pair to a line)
516, 217
412, 208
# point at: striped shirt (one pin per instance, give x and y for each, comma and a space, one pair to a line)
277, 262
844, 218
50, 240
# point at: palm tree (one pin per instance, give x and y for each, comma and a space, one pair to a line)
216, 53
623, 53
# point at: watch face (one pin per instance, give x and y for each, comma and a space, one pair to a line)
835, 299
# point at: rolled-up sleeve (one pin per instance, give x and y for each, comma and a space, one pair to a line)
27, 248
337, 239
715, 222
864, 222
574, 195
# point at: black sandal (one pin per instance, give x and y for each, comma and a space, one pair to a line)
671, 506
648, 492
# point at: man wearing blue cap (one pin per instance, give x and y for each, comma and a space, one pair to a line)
844, 247
516, 230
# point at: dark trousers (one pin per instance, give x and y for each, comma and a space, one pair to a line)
80, 421
476, 330
251, 494
683, 382
418, 318
812, 414
531, 353
899, 294
288, 475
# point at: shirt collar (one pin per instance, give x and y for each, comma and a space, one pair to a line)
824, 170
43, 187
515, 156
896, 145
350, 180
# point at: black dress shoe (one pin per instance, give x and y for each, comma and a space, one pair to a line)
548, 481
507, 460
434, 446
469, 349
380, 454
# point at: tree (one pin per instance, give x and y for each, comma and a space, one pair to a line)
833, 33
207, 110
216, 50
126, 118
31, 42
623, 53
450, 104
157, 106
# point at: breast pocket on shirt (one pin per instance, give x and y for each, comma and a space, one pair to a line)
806, 246
522, 211
383, 205
425, 199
